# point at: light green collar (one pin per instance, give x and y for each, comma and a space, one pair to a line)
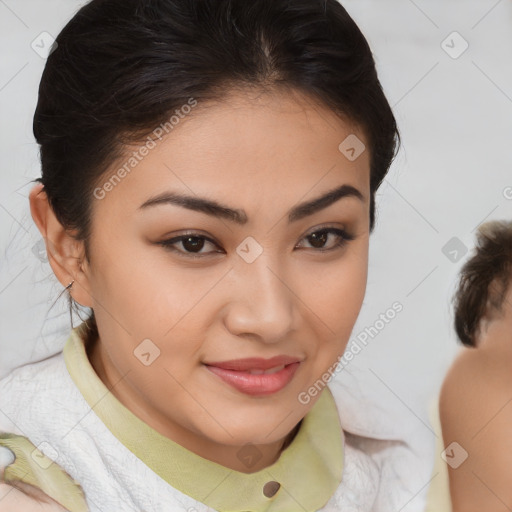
309, 470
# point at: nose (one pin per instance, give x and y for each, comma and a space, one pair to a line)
263, 304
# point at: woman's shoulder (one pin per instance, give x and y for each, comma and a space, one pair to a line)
397, 456
26, 385
26, 373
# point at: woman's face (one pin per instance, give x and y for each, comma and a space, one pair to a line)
250, 284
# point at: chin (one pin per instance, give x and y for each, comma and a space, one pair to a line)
260, 432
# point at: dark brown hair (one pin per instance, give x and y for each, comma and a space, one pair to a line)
484, 280
120, 68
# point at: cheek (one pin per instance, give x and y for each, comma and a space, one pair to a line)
339, 291
335, 302
124, 287
138, 288
148, 287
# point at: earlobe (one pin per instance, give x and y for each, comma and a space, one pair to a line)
65, 253
481, 329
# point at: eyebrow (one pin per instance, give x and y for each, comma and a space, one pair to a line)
215, 209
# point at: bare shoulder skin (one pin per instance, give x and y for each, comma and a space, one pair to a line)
476, 412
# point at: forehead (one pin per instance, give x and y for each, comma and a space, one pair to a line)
268, 126
281, 146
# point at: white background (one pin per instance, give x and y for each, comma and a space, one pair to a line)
455, 117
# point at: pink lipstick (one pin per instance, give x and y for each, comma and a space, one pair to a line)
256, 376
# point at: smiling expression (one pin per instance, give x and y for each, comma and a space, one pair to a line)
242, 234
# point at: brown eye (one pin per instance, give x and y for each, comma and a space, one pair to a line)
192, 245
318, 239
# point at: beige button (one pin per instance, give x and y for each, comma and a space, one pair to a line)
270, 488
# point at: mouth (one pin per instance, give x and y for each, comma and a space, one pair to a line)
255, 363
266, 372
257, 381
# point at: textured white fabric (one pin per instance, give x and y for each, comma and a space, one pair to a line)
41, 401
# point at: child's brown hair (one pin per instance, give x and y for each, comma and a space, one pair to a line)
483, 280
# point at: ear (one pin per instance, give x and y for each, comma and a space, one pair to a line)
482, 329
65, 254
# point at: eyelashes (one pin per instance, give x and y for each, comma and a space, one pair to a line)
342, 238
191, 242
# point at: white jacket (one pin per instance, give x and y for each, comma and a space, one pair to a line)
387, 465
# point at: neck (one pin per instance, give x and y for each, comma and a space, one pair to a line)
225, 455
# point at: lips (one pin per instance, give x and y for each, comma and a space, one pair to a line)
256, 376
255, 363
